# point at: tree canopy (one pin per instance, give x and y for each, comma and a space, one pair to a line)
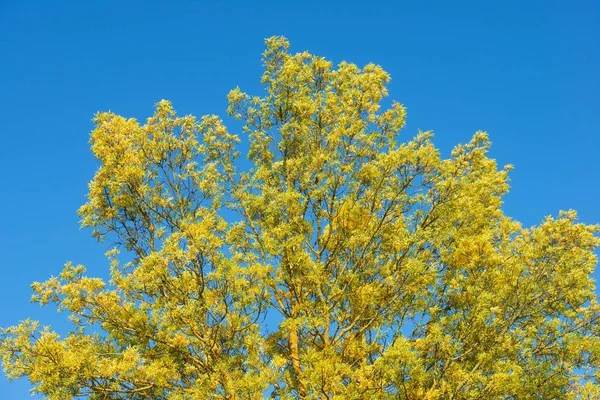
339, 260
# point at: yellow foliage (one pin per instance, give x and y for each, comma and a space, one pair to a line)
383, 270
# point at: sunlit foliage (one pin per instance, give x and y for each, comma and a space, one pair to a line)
340, 260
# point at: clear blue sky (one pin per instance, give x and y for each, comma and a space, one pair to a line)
526, 72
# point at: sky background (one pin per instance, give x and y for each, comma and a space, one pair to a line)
525, 72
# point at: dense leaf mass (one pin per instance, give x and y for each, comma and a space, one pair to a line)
339, 261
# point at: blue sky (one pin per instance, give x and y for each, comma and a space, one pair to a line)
525, 72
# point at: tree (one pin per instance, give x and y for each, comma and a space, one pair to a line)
337, 263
